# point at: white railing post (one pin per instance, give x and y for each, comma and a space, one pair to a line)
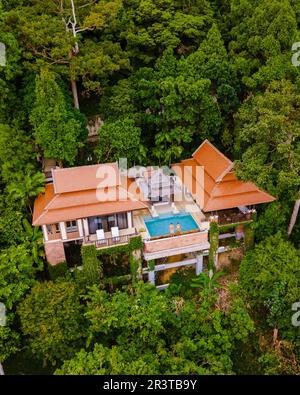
199, 264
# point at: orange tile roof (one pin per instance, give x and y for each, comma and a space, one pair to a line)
64, 201
220, 188
215, 163
81, 178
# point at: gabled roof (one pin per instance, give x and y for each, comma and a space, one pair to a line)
63, 200
82, 178
215, 163
219, 188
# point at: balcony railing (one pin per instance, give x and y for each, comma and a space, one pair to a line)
109, 241
232, 217
178, 234
178, 241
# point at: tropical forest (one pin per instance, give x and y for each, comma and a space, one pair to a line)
152, 80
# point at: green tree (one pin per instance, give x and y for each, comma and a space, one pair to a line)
10, 224
146, 309
105, 360
57, 128
57, 34
170, 104
17, 271
268, 141
51, 319
211, 61
270, 275
118, 139
160, 333
17, 156
24, 187
208, 282
152, 26
261, 38
91, 272
9, 342
33, 238
9, 100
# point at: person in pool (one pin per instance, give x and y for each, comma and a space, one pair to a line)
178, 227
171, 228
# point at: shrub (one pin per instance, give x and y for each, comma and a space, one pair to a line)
181, 281
52, 319
59, 270
214, 244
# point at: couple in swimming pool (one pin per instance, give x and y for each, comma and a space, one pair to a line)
172, 228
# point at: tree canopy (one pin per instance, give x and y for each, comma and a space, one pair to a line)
161, 76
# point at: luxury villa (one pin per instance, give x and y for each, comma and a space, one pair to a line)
170, 209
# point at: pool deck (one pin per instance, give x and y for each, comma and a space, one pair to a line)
158, 247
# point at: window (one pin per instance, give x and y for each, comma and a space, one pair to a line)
107, 222
98, 223
122, 220
53, 228
111, 221
71, 226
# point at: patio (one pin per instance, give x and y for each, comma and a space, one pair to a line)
232, 216
109, 240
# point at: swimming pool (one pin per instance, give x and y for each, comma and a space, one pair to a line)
160, 226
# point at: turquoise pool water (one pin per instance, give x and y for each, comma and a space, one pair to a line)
160, 226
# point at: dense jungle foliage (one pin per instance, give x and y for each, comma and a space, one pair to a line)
163, 75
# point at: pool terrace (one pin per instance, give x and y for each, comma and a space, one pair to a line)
192, 237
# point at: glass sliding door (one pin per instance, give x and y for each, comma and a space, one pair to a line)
107, 222
111, 220
122, 220
94, 224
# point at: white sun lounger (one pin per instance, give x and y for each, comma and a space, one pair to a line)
154, 212
115, 234
174, 209
100, 236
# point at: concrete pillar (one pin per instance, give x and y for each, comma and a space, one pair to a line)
80, 227
63, 230
86, 226
199, 264
129, 219
45, 232
151, 277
